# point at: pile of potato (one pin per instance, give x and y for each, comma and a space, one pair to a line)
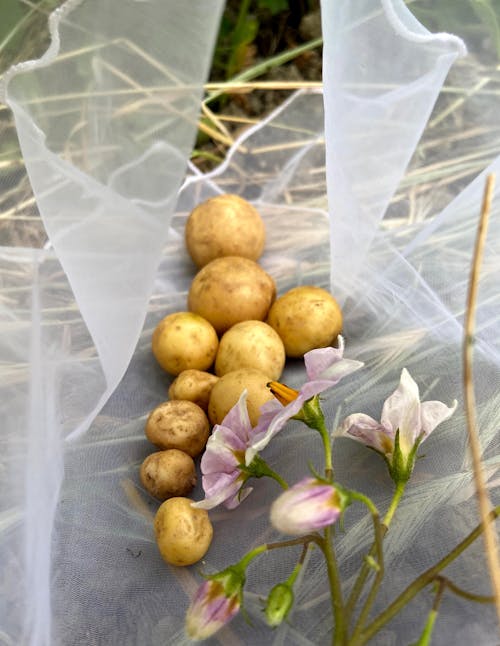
236, 327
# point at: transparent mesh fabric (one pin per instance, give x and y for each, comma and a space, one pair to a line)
80, 562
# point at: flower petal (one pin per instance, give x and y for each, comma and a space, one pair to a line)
319, 360
401, 411
365, 429
218, 458
433, 413
327, 364
218, 488
237, 418
276, 416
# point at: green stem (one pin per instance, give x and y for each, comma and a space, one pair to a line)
426, 636
366, 569
258, 468
396, 499
335, 588
302, 540
378, 549
465, 594
422, 581
312, 415
251, 555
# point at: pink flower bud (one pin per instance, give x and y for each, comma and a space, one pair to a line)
306, 507
212, 607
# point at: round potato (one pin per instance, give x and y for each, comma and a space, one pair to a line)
229, 290
228, 389
251, 344
226, 225
168, 473
306, 318
194, 386
183, 533
178, 425
184, 340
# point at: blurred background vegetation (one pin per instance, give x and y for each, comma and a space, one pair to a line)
274, 46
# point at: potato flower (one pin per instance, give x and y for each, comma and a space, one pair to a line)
222, 477
215, 603
325, 367
404, 424
309, 505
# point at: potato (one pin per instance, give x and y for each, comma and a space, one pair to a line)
183, 533
306, 318
194, 386
226, 225
178, 425
251, 344
228, 389
168, 473
229, 290
184, 340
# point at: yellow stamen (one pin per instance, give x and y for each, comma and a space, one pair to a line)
283, 393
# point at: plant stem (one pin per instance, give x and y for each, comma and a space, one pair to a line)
423, 580
465, 594
302, 540
335, 588
365, 568
426, 636
258, 468
396, 499
378, 549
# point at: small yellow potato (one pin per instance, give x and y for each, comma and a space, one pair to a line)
306, 318
184, 340
251, 344
225, 225
194, 386
178, 425
183, 533
229, 290
168, 473
228, 389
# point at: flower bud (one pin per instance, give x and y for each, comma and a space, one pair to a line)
279, 603
306, 507
216, 602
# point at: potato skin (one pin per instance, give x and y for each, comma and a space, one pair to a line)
306, 318
183, 533
184, 340
229, 290
251, 344
169, 473
225, 225
194, 386
228, 389
178, 425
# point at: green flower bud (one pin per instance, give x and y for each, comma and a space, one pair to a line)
279, 603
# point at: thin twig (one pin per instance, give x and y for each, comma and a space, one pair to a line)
490, 535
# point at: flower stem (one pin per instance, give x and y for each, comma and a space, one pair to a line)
379, 532
335, 588
465, 594
426, 636
366, 569
312, 415
396, 499
302, 540
258, 468
423, 580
